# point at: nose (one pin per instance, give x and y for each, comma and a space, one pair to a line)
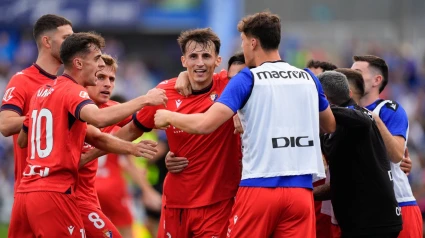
200, 62
107, 83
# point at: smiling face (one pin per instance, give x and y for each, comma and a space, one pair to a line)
105, 85
200, 61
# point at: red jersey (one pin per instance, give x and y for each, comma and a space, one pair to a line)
56, 136
109, 174
86, 191
214, 169
17, 98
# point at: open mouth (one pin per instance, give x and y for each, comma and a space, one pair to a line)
106, 93
200, 72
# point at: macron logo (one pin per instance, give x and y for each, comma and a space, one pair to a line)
70, 229
178, 102
8, 94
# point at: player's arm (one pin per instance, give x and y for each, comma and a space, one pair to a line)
11, 111
327, 121
395, 144
10, 122
232, 99
129, 132
23, 139
111, 115
112, 144
183, 83
23, 134
322, 192
151, 197
199, 123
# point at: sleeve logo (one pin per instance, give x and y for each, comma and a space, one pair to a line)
84, 94
8, 94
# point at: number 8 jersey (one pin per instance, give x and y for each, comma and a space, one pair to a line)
55, 136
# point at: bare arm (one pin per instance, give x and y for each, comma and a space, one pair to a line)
111, 115
394, 144
22, 139
10, 122
327, 121
183, 84
199, 123
322, 192
151, 197
128, 133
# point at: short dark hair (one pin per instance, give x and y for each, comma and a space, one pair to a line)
354, 78
326, 66
202, 36
264, 26
79, 43
376, 63
335, 86
47, 23
237, 58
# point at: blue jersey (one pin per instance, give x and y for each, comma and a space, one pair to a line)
238, 90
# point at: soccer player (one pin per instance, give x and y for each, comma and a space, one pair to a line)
196, 202
393, 125
361, 207
318, 67
235, 64
49, 33
116, 204
45, 203
281, 151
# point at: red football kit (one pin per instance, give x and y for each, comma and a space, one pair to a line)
198, 200
45, 204
96, 223
112, 190
17, 98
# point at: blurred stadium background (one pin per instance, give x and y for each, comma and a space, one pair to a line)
142, 35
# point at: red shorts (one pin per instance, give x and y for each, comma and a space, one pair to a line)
96, 223
208, 221
412, 222
161, 225
116, 208
323, 223
335, 231
45, 214
273, 212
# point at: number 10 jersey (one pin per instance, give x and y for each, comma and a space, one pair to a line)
55, 136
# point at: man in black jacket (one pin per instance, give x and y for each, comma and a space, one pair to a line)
361, 191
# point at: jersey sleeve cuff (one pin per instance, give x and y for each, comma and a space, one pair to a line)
80, 106
11, 107
139, 125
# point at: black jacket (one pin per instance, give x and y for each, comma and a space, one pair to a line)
362, 191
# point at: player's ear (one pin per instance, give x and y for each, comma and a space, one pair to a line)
351, 93
77, 63
377, 80
183, 59
218, 61
254, 42
45, 41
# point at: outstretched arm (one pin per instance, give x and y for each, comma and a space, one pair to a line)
199, 123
